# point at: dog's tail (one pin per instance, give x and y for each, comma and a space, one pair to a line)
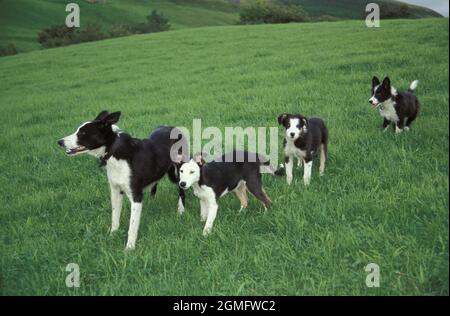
413, 86
278, 173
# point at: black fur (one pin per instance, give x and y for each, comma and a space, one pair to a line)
149, 159
406, 104
221, 175
316, 134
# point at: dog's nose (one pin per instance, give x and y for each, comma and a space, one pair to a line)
61, 142
182, 184
370, 101
292, 134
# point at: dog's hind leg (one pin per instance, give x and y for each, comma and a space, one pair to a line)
254, 185
153, 190
323, 158
116, 203
241, 193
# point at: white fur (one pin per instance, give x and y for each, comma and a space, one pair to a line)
180, 206
189, 173
135, 218
116, 202
307, 173
387, 110
71, 141
292, 151
208, 205
414, 85
293, 129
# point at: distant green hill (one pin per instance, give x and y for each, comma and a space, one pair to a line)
354, 9
21, 20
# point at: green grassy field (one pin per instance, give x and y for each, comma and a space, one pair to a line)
383, 198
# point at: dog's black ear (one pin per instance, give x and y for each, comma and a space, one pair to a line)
375, 81
282, 118
112, 118
101, 115
199, 158
387, 83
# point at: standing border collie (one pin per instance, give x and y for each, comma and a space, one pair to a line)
304, 137
394, 106
235, 172
132, 165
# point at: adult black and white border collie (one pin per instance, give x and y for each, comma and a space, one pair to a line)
304, 137
132, 165
395, 106
237, 172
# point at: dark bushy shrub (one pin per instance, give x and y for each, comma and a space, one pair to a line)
9, 49
119, 30
156, 22
264, 11
395, 12
58, 35
61, 35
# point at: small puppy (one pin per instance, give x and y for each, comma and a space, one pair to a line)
394, 106
237, 171
303, 138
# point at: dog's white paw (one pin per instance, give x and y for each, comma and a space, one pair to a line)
130, 246
406, 128
206, 231
289, 180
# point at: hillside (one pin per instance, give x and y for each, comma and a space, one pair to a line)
355, 9
383, 198
21, 20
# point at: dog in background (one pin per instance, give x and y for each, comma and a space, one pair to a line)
395, 106
304, 137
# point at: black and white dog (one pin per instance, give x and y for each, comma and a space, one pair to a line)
304, 138
237, 172
132, 165
395, 106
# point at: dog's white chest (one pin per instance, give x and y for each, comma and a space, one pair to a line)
291, 150
118, 172
203, 192
387, 110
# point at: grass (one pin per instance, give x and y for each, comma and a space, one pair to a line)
383, 199
22, 20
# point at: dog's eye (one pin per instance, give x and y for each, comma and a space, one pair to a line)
191, 172
80, 133
181, 171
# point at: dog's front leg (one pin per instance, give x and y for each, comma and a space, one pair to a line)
212, 212
289, 160
203, 210
307, 172
181, 201
135, 218
116, 203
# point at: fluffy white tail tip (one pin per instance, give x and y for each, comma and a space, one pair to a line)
413, 85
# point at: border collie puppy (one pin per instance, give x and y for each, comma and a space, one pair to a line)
132, 165
303, 138
237, 171
394, 106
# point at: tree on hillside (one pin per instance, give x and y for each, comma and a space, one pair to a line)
156, 22
264, 11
